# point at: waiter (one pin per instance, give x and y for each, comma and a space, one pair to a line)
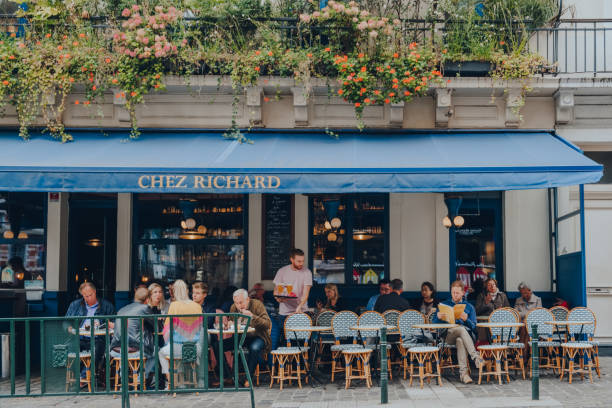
300, 278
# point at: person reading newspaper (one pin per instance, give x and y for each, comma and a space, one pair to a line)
462, 313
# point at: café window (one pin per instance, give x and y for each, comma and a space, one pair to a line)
349, 238
191, 237
22, 238
476, 246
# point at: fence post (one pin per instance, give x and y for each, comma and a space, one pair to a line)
384, 394
125, 377
535, 361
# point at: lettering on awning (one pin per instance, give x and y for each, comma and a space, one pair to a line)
209, 182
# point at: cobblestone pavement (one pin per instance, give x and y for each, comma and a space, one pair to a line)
553, 393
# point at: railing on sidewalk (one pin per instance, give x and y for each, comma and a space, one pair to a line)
62, 339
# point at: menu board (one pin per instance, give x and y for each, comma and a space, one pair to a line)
277, 233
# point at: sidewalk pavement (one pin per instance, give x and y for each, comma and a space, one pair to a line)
453, 394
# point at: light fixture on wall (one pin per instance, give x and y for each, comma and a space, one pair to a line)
94, 242
336, 222
8, 234
359, 235
22, 235
332, 237
453, 218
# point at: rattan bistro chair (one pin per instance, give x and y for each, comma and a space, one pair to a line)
370, 338
406, 320
585, 333
548, 348
341, 328
560, 313
325, 340
510, 338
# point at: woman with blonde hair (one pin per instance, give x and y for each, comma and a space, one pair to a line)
334, 301
186, 329
156, 299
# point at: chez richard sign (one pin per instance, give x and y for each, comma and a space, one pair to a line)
208, 182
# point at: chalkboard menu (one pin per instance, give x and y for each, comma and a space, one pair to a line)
277, 233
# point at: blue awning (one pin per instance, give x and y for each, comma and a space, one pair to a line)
293, 162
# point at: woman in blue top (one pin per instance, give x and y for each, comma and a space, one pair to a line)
462, 336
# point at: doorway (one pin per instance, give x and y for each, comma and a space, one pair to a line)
92, 245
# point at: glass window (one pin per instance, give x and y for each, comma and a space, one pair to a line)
605, 159
477, 242
349, 238
191, 237
22, 237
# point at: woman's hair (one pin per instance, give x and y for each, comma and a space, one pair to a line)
431, 287
458, 284
162, 302
491, 280
181, 293
332, 286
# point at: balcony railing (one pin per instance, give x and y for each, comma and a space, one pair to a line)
573, 46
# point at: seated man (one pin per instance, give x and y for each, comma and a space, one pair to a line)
384, 288
89, 305
393, 300
257, 341
462, 336
138, 308
527, 302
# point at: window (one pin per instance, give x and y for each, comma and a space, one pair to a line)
476, 246
349, 238
192, 237
605, 159
22, 237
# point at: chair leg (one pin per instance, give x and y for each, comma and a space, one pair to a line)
347, 369
274, 360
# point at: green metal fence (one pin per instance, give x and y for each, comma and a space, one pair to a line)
62, 339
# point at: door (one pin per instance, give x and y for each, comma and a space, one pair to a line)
92, 245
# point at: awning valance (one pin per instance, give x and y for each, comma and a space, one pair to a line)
293, 162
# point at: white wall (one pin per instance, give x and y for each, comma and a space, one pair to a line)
526, 240
588, 8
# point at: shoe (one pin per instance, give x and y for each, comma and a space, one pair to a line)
466, 379
246, 384
479, 362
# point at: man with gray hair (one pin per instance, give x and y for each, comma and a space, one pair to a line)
528, 301
256, 341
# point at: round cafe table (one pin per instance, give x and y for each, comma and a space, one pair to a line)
502, 326
230, 331
97, 332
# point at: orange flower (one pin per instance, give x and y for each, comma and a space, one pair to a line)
13, 35
412, 45
94, 88
157, 76
340, 91
357, 104
21, 45
114, 80
156, 86
392, 70
328, 49
270, 53
502, 43
392, 94
266, 99
59, 47
11, 57
71, 79
363, 69
118, 95
257, 52
257, 69
65, 36
83, 69
107, 60
418, 88
367, 100
48, 35
395, 86
86, 102
395, 55
387, 100
424, 79
376, 92
406, 93
76, 102
75, 43
360, 55
133, 93
5, 82
363, 90
448, 81
309, 55
394, 80
418, 56
82, 35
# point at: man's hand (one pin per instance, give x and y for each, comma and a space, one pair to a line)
246, 312
464, 316
488, 299
298, 309
441, 316
279, 300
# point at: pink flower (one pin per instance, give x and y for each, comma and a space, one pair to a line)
126, 12
396, 22
373, 33
362, 26
135, 7
145, 40
316, 14
305, 18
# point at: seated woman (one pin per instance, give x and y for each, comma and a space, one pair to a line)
185, 329
334, 301
490, 299
427, 302
462, 336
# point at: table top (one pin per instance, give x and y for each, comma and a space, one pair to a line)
230, 331
372, 328
309, 328
500, 324
482, 318
435, 326
567, 322
97, 332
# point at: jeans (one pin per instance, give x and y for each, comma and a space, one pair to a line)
178, 348
465, 346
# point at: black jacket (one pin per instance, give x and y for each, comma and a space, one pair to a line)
392, 301
134, 328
